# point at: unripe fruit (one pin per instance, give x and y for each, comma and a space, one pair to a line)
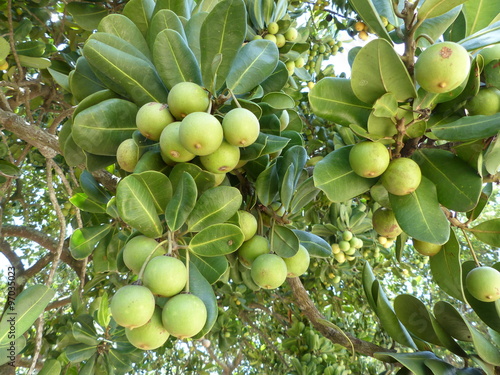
299, 63
340, 257
271, 37
298, 264
483, 283
356, 243
185, 98
247, 223
165, 276
426, 248
486, 102
290, 67
291, 34
335, 248
490, 53
251, 249
273, 28
442, 67
344, 246
268, 271
241, 127
184, 315
401, 177
280, 40
170, 145
347, 235
200, 133
369, 159
223, 160
385, 224
152, 118
132, 306
128, 155
151, 335
137, 250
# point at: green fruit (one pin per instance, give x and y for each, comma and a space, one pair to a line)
165, 276
483, 283
369, 159
241, 127
271, 37
280, 40
385, 224
137, 250
269, 271
290, 67
291, 34
170, 145
442, 67
247, 223
251, 249
298, 264
132, 306
299, 63
344, 246
490, 53
426, 248
152, 118
347, 235
273, 28
486, 102
402, 176
151, 335
200, 133
128, 155
185, 98
184, 315
223, 160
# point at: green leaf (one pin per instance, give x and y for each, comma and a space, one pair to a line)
163, 20
204, 180
279, 100
193, 30
386, 106
479, 14
78, 353
482, 38
182, 8
83, 81
435, 27
415, 362
84, 240
378, 69
254, 63
4, 48
83, 330
212, 268
23, 311
137, 208
315, 245
458, 185
140, 12
86, 15
93, 189
277, 79
265, 144
199, 286
451, 320
182, 202
484, 347
369, 14
214, 206
84, 203
267, 185
488, 232
10, 348
8, 169
51, 367
283, 241
222, 35
106, 252
305, 193
492, 156
336, 178
483, 200
334, 100
287, 187
158, 187
419, 214
101, 128
34, 48
468, 128
174, 59
435, 8
217, 239
34, 62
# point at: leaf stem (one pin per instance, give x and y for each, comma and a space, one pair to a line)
234, 98
187, 270
471, 247
146, 261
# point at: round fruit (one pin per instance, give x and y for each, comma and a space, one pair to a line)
241, 127
171, 148
137, 250
185, 98
247, 223
298, 264
490, 53
271, 37
268, 271
280, 40
359, 26
483, 283
251, 249
347, 235
132, 306
127, 155
442, 67
426, 248
402, 176
299, 63
152, 118
290, 67
344, 246
273, 28
151, 335
385, 224
165, 276
486, 102
223, 160
369, 159
184, 315
291, 34
200, 133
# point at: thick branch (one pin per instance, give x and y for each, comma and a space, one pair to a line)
307, 307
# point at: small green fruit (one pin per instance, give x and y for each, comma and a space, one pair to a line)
347, 235
137, 250
385, 224
290, 67
152, 118
251, 249
132, 306
165, 276
184, 315
185, 98
298, 264
128, 155
171, 147
486, 102
369, 159
280, 40
271, 37
247, 223
426, 248
291, 34
200, 133
344, 246
241, 127
151, 335
402, 176
223, 160
268, 271
299, 63
273, 28
483, 283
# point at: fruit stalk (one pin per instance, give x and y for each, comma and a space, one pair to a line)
141, 272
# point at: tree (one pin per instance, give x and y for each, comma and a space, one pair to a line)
255, 160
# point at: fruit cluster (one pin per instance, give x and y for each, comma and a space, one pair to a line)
346, 248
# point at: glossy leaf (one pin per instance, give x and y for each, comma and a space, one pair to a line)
377, 70
86, 15
435, 8
174, 60
492, 156
488, 232
315, 245
479, 14
279, 100
305, 193
267, 185
92, 188
182, 202
283, 241
458, 185
277, 79
199, 286
7, 346
204, 180
214, 206
217, 239
369, 14
164, 20
158, 187
253, 64
484, 347
77, 353
51, 367
193, 30
182, 8
84, 240
436, 26
415, 362
287, 186
468, 128
83, 330
482, 38
451, 320
336, 178
212, 268
24, 310
483, 201
84, 203
419, 214
334, 100
140, 12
